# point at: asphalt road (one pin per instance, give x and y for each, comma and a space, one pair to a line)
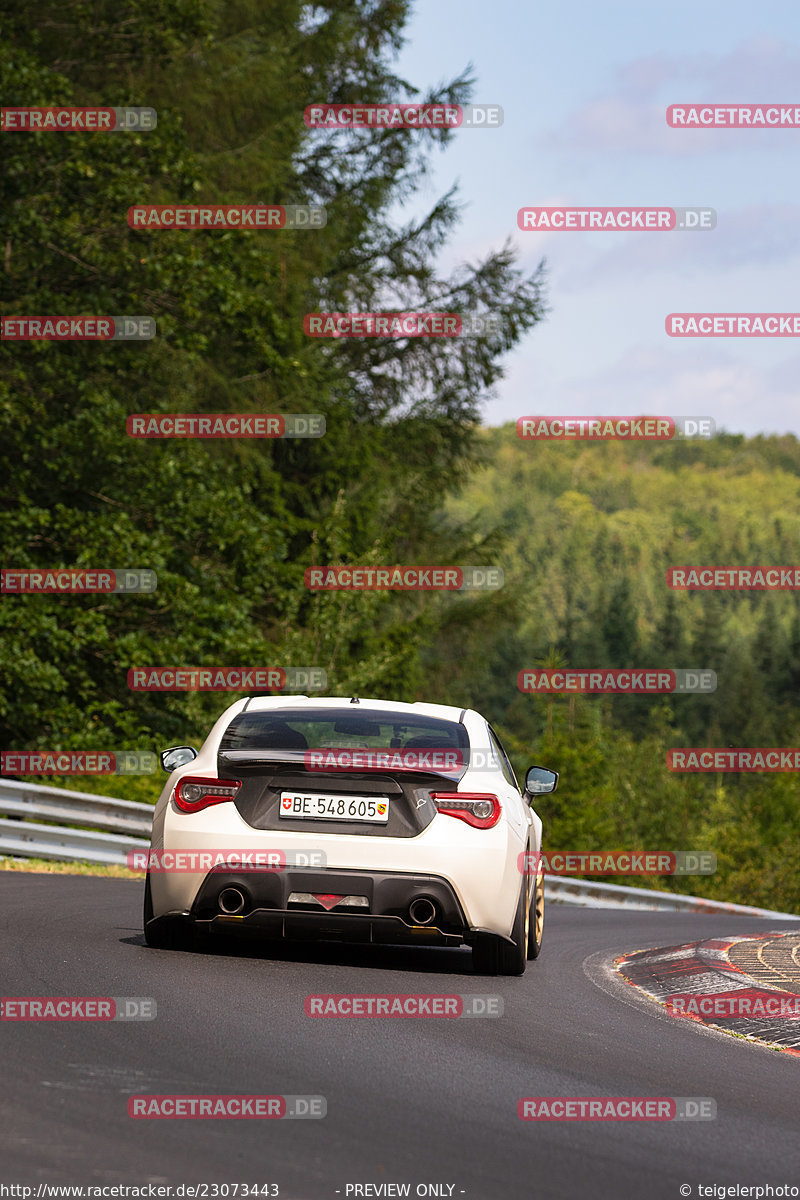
410, 1101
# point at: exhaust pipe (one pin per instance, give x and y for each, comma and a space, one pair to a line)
422, 911
231, 901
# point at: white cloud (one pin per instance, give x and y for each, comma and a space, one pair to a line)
631, 117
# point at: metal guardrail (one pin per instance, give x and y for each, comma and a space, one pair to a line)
589, 894
120, 820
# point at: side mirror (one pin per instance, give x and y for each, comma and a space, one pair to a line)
539, 781
177, 756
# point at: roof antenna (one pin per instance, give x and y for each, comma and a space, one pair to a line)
355, 700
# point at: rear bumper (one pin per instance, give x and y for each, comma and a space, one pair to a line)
268, 910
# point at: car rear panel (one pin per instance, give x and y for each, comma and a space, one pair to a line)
288, 750
270, 905
258, 803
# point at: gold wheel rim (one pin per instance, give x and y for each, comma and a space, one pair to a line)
539, 911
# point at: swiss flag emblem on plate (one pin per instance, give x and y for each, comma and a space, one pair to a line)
287, 804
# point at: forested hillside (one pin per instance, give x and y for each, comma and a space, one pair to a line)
586, 533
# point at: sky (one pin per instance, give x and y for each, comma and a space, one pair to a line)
584, 88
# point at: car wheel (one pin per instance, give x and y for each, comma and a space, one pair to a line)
536, 925
167, 935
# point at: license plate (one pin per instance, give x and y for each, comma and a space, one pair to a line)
315, 807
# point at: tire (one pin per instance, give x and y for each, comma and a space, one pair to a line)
536, 927
494, 956
168, 935
147, 913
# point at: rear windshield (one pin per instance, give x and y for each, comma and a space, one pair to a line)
339, 729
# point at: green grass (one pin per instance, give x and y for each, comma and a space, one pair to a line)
47, 866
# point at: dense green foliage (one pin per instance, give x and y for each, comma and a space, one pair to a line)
228, 526
587, 532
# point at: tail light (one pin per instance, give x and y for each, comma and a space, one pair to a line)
479, 809
193, 794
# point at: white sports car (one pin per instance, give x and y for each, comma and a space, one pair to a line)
350, 819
